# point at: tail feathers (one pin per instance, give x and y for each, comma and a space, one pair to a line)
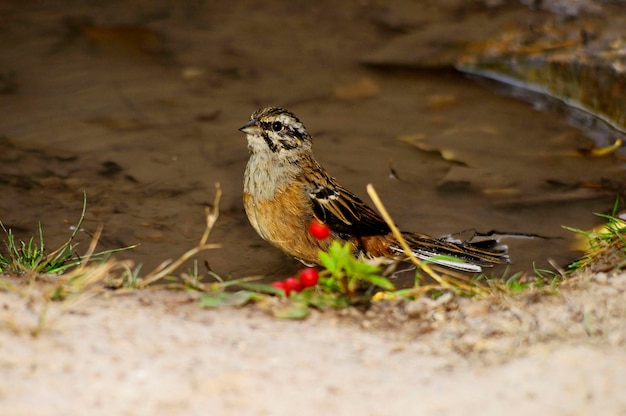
465, 256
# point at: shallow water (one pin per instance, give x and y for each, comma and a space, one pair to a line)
147, 134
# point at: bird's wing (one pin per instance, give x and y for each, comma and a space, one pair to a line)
341, 210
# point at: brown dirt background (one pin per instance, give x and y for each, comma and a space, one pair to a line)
165, 110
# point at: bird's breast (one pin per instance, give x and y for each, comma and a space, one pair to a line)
265, 176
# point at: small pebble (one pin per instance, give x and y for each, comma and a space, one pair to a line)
601, 277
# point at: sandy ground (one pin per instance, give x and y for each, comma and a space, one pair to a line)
156, 353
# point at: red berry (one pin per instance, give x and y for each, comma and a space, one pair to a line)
280, 285
292, 284
309, 277
319, 230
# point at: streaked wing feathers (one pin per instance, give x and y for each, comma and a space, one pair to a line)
343, 211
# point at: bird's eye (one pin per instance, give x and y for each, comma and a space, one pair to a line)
277, 126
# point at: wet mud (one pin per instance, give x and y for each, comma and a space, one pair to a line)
137, 105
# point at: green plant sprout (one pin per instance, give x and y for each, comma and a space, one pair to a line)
610, 238
32, 257
345, 274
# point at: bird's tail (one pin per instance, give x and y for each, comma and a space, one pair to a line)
468, 256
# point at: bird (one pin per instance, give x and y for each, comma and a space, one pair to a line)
285, 188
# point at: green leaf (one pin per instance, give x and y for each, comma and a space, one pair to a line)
380, 281
328, 261
331, 284
261, 287
218, 299
214, 300
362, 268
292, 310
243, 297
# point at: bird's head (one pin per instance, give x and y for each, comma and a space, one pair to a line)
273, 130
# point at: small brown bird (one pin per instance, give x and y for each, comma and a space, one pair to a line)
285, 188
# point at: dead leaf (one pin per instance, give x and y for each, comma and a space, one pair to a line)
364, 88
602, 151
441, 101
416, 140
463, 178
119, 123
134, 39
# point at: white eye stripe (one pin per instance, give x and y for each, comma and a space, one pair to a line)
286, 120
291, 123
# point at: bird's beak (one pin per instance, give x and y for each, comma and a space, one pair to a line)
250, 127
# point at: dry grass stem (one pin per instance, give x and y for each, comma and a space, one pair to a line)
450, 280
398, 235
168, 267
